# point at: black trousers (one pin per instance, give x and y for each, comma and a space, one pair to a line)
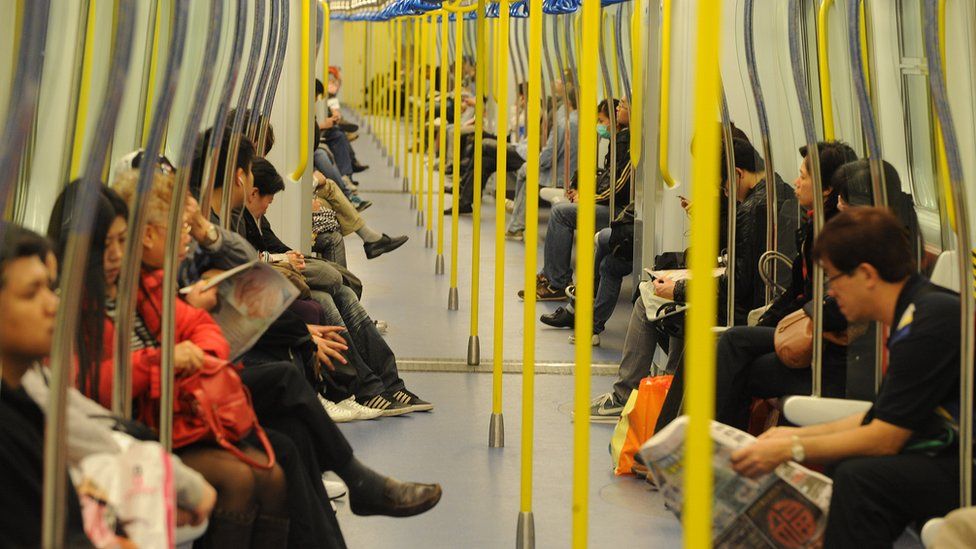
489, 166
285, 402
747, 367
876, 498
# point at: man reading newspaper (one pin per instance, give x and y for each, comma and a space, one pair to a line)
897, 463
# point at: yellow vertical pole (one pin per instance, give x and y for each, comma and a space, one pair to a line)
452, 296
496, 427
665, 103
637, 84
422, 182
700, 387
526, 526
431, 151
305, 88
81, 117
397, 99
826, 93
412, 109
417, 126
586, 226
481, 62
442, 146
387, 93
942, 165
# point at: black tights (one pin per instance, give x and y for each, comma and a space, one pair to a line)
251, 503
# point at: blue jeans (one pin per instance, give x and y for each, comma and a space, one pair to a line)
610, 274
339, 145
559, 241
368, 352
323, 164
517, 221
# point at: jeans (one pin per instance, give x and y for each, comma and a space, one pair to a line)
324, 165
640, 344
368, 352
559, 241
331, 247
610, 275
517, 221
341, 148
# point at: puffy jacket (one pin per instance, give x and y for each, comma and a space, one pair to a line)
192, 324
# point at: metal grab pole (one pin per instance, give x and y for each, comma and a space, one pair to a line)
272, 90
869, 125
772, 206
665, 103
550, 88
940, 99
53, 519
700, 387
131, 269
481, 62
175, 229
823, 50
253, 123
619, 43
525, 535
442, 146
611, 116
496, 426
586, 225
813, 157
149, 76
430, 150
729, 148
220, 124
565, 99
452, 294
304, 89
237, 125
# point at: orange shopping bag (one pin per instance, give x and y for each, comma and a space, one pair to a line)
637, 421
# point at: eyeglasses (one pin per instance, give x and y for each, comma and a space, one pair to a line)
831, 279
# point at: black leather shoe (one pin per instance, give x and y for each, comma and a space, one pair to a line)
462, 210
347, 127
560, 318
383, 245
399, 499
363, 205
357, 167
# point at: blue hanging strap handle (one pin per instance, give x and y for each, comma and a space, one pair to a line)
519, 9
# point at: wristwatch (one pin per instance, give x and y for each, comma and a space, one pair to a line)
799, 454
211, 236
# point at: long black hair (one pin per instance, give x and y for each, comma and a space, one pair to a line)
89, 339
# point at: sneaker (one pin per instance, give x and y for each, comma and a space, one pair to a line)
560, 318
350, 184
509, 205
335, 489
595, 340
362, 205
336, 412
383, 245
604, 409
515, 235
381, 326
412, 400
361, 411
548, 293
386, 406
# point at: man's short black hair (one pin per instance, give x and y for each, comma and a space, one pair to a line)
18, 243
245, 158
603, 109
267, 180
746, 158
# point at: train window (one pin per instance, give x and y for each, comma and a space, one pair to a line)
919, 126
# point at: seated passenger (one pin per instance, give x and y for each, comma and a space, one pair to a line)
747, 366
644, 335
894, 464
557, 271
559, 151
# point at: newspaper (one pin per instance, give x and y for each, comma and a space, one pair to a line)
784, 509
249, 302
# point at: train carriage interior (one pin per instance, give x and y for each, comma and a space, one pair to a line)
469, 273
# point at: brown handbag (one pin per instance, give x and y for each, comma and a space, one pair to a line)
793, 339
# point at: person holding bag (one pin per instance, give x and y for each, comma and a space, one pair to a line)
747, 363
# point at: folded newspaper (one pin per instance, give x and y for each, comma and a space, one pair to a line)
784, 509
250, 300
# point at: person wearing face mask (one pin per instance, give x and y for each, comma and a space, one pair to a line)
559, 151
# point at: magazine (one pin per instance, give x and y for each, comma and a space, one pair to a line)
783, 509
250, 298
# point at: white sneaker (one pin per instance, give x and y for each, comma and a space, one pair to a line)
334, 488
509, 205
358, 410
381, 326
338, 413
595, 341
